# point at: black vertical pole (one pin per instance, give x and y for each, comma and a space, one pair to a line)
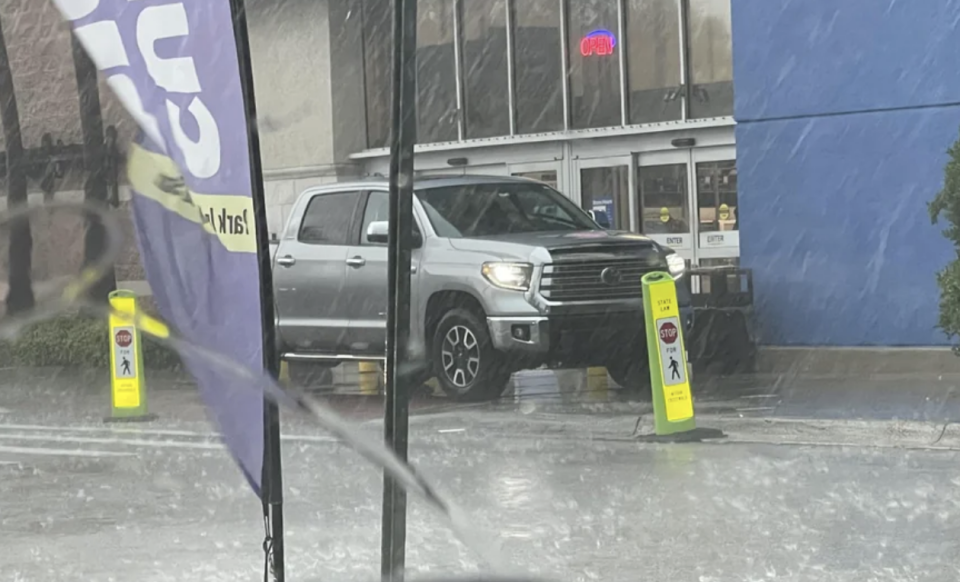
398, 381
272, 482
20, 293
95, 164
685, 48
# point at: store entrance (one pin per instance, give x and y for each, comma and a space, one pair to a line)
604, 187
684, 198
688, 201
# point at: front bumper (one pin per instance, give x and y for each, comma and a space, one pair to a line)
575, 338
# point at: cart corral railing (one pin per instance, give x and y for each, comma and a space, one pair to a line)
55, 167
59, 171
724, 338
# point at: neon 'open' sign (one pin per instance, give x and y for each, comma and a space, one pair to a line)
600, 42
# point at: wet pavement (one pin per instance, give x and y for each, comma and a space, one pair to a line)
934, 397
916, 396
552, 477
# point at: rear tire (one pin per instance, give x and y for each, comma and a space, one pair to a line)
633, 376
465, 362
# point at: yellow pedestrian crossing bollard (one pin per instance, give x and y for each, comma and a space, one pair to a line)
370, 375
673, 414
128, 388
672, 399
597, 383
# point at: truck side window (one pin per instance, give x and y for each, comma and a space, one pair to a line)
328, 218
378, 210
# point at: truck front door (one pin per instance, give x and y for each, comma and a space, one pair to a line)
367, 279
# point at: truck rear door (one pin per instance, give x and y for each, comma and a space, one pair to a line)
310, 273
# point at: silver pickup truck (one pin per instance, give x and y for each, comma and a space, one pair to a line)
507, 274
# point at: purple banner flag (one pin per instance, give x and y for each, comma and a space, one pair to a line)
174, 65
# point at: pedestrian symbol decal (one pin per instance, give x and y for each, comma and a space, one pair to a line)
125, 366
674, 369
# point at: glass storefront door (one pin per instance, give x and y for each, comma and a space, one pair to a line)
688, 202
663, 191
717, 208
548, 177
548, 173
604, 188
487, 170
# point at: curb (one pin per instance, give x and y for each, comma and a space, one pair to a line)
856, 361
903, 434
863, 433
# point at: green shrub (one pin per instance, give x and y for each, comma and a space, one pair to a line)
946, 204
75, 341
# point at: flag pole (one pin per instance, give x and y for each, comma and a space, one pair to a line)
271, 490
399, 247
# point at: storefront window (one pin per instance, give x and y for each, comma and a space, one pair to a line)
436, 72
594, 73
605, 192
485, 68
663, 199
717, 196
377, 51
653, 60
711, 58
538, 68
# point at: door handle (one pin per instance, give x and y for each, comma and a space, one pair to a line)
356, 262
413, 269
286, 261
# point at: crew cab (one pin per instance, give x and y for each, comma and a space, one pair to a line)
507, 274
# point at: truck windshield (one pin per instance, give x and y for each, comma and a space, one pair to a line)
475, 210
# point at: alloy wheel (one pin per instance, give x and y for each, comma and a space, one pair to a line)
460, 355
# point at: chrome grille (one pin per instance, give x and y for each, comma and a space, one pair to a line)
594, 280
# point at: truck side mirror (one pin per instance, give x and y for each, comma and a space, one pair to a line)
377, 232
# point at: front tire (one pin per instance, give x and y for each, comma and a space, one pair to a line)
465, 362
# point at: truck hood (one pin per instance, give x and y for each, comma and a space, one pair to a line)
521, 245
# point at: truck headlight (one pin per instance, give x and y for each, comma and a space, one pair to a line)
676, 265
513, 276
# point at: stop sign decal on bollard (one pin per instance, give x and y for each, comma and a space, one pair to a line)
668, 332
124, 338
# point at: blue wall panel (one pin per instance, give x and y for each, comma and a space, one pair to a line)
834, 222
807, 57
